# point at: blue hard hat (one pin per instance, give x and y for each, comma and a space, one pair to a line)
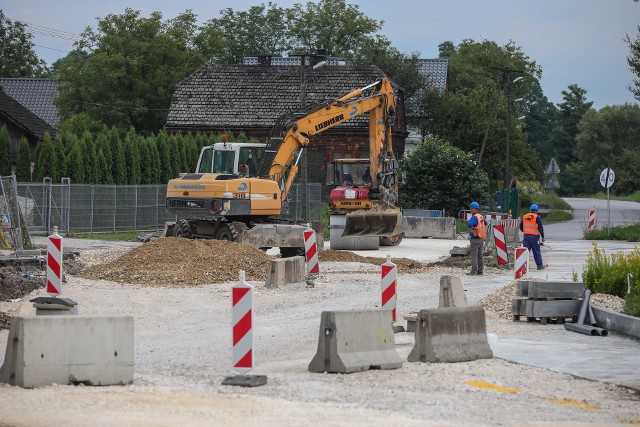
534, 207
475, 205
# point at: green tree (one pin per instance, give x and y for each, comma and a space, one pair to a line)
339, 27
18, 58
563, 135
133, 65
89, 156
75, 162
119, 166
103, 145
634, 62
541, 116
610, 137
23, 163
46, 161
164, 155
261, 29
441, 176
132, 156
5, 152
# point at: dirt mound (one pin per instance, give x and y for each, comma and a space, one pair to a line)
405, 265
183, 262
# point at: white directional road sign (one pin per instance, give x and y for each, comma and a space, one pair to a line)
553, 167
607, 172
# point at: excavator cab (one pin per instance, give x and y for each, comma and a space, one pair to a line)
365, 216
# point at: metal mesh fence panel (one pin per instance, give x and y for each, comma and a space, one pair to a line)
95, 208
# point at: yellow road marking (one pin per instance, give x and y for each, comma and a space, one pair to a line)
575, 404
488, 386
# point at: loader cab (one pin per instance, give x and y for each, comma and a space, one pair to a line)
233, 158
348, 172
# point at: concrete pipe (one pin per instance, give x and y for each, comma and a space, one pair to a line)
584, 307
592, 317
583, 329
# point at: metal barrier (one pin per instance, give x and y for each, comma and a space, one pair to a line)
111, 208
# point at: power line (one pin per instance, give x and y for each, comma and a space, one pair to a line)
51, 32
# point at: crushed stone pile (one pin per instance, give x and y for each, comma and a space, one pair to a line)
500, 301
405, 265
180, 262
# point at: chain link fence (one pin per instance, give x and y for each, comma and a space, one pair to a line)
112, 208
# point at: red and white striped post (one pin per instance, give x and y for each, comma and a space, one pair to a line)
501, 244
311, 251
389, 280
242, 317
592, 219
521, 264
54, 263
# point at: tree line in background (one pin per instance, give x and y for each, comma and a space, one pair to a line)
122, 73
107, 157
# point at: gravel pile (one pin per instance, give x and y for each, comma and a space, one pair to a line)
177, 262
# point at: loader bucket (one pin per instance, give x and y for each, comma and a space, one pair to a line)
374, 223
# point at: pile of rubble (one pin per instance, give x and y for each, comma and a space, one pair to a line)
180, 262
405, 265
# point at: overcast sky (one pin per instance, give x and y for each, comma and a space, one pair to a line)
574, 41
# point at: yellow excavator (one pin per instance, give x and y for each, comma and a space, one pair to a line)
221, 200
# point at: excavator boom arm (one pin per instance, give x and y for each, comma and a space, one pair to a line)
380, 104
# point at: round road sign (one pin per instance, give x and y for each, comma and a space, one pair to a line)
607, 176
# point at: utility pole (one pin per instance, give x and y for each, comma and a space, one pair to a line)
507, 74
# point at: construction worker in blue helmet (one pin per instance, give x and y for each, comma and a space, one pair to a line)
531, 227
477, 235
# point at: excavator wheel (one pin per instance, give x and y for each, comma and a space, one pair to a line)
227, 232
391, 241
183, 229
291, 252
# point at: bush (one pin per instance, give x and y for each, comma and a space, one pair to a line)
609, 275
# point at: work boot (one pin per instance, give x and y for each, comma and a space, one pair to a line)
472, 273
480, 273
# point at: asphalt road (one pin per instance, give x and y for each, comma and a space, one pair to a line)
622, 213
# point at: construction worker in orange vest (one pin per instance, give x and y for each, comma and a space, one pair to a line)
477, 235
531, 227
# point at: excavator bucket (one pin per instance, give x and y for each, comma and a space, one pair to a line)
374, 223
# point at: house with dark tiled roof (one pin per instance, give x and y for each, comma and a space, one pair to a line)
27, 109
251, 99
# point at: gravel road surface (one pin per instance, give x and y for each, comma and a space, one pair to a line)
183, 352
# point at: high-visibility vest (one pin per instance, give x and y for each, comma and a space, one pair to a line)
530, 224
479, 230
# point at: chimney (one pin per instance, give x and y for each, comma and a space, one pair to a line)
264, 59
320, 56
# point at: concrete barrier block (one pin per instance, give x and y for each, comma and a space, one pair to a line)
354, 341
276, 274
451, 334
519, 307
96, 350
437, 228
286, 270
552, 309
451, 292
549, 290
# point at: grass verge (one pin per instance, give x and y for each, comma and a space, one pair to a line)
119, 236
630, 233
